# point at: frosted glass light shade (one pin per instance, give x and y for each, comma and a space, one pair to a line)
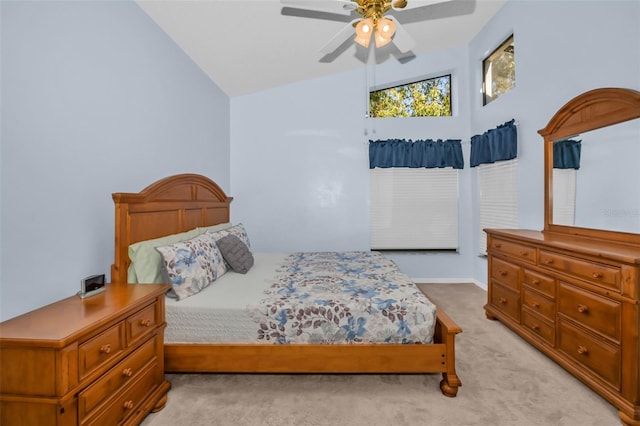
364, 29
385, 29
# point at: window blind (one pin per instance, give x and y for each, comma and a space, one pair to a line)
414, 208
564, 196
498, 186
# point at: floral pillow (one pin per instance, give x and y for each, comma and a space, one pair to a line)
237, 230
192, 265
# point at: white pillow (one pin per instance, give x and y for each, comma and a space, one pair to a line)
237, 230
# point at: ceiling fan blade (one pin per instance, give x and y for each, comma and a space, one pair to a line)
403, 41
412, 4
343, 7
342, 36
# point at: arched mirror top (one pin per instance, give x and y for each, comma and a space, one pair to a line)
579, 120
592, 110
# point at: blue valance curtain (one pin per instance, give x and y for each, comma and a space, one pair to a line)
566, 154
415, 154
497, 144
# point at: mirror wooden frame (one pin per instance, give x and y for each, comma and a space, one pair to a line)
589, 111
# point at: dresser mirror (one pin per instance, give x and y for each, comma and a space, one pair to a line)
599, 196
604, 191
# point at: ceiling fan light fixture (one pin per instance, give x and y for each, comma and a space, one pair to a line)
364, 28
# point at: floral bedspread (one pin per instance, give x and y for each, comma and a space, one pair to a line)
343, 297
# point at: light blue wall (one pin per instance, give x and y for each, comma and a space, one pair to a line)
299, 170
96, 99
562, 49
305, 142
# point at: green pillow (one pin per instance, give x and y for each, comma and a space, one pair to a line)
147, 261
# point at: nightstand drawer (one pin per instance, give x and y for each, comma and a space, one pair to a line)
117, 377
505, 273
542, 283
506, 301
141, 323
520, 251
127, 402
101, 349
591, 310
596, 273
539, 326
539, 304
591, 352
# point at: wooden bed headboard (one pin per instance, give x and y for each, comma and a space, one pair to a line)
169, 206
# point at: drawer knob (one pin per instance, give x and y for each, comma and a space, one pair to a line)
128, 405
524, 252
583, 309
497, 245
503, 273
536, 327
582, 350
535, 305
502, 300
145, 322
597, 275
535, 282
127, 372
547, 261
105, 349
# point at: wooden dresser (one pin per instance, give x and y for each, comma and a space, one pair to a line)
93, 361
575, 299
573, 289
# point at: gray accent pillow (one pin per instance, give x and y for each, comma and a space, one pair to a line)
236, 253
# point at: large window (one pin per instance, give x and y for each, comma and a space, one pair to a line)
425, 98
499, 71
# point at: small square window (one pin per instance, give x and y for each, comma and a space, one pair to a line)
499, 71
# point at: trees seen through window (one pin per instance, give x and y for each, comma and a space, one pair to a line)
426, 98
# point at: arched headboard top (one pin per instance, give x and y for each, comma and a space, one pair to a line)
183, 187
168, 206
592, 110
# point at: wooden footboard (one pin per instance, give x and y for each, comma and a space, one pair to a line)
438, 357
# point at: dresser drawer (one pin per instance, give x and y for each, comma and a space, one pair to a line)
542, 283
96, 352
127, 402
506, 301
591, 352
541, 327
596, 273
591, 310
520, 251
123, 373
539, 304
505, 273
141, 323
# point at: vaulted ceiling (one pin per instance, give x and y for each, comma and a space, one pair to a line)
249, 46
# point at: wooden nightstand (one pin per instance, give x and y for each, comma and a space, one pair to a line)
88, 361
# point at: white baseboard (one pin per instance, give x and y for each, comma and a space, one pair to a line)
450, 281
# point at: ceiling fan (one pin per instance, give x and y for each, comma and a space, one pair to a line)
373, 23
